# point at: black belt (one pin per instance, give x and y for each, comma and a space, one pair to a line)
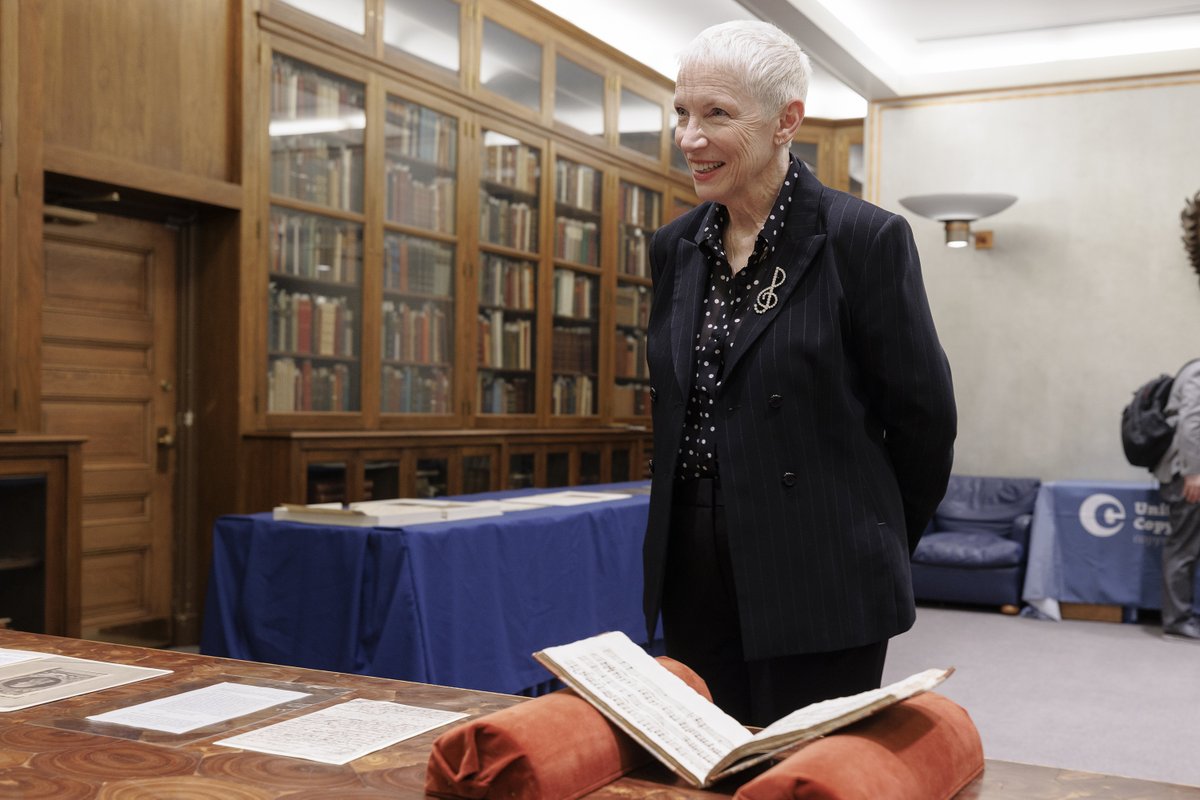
699, 492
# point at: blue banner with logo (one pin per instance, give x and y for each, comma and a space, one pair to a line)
1097, 542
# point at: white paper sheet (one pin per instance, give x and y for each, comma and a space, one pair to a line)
199, 708
339, 734
17, 656
572, 497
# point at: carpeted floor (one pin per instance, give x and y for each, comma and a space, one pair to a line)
1095, 696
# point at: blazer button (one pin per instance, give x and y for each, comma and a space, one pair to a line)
653, 395
789, 479
775, 400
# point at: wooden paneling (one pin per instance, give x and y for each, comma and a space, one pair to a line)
145, 81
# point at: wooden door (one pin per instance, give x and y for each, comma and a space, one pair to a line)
109, 365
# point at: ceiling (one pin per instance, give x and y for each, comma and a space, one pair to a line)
876, 49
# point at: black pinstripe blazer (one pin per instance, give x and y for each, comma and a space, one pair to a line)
835, 424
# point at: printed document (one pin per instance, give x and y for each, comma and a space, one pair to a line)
44, 678
199, 708
341, 733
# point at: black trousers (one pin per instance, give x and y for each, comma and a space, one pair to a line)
702, 629
1181, 551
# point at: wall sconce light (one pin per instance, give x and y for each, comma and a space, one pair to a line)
958, 211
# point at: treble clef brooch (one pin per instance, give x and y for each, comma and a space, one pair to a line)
767, 298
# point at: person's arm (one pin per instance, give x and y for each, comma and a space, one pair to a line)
906, 372
1187, 434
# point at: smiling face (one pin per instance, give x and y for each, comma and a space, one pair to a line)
731, 145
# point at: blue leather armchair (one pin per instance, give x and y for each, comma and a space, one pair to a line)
976, 546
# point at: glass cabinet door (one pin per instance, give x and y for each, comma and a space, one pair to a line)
578, 97
348, 14
575, 356
511, 65
326, 482
640, 214
316, 239
381, 479
522, 470
558, 468
421, 188
508, 275
427, 29
640, 124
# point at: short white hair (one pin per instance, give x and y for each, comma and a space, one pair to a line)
768, 62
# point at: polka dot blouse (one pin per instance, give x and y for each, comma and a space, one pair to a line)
726, 299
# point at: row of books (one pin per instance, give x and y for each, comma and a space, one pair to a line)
506, 223
507, 283
502, 395
300, 91
577, 185
574, 295
418, 266
423, 204
415, 390
576, 240
573, 395
317, 171
300, 322
421, 133
514, 165
312, 246
504, 343
633, 259
420, 334
574, 349
301, 386
631, 400
632, 306
629, 355
638, 206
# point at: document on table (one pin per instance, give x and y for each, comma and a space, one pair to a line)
339, 734
573, 497
199, 708
29, 679
17, 656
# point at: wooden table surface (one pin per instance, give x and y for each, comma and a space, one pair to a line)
53, 752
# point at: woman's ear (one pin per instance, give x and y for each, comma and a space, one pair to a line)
789, 122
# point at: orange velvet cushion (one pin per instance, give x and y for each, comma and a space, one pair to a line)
554, 746
924, 748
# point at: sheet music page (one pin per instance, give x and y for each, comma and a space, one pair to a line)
199, 708
654, 703
818, 714
339, 734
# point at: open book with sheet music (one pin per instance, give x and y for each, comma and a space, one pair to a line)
685, 731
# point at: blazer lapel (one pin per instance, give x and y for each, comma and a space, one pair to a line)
798, 248
687, 297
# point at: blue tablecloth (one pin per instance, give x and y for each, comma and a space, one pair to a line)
460, 603
1096, 542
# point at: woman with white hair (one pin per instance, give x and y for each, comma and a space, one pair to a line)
804, 416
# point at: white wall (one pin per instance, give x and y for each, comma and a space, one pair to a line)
1087, 291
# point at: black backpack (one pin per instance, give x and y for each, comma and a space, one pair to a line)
1146, 433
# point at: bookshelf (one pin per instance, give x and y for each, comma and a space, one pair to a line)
575, 295
420, 244
314, 290
509, 255
640, 213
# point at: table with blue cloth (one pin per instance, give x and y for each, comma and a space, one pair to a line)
1097, 542
459, 603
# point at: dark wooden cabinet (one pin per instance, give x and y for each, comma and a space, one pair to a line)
40, 490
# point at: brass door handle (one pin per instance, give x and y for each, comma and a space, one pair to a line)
165, 438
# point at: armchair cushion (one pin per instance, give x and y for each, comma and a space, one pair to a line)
968, 550
976, 504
